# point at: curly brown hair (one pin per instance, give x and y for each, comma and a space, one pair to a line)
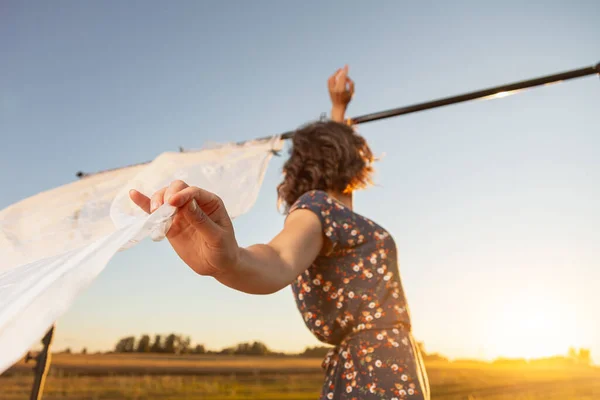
328, 156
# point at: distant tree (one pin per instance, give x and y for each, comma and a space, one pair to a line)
130, 347
199, 349
243, 349
185, 345
254, 349
584, 356
157, 345
130, 344
259, 349
177, 344
84, 351
67, 350
171, 344
125, 345
228, 351
581, 356
572, 353
144, 344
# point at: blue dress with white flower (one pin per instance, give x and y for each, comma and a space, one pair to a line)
353, 299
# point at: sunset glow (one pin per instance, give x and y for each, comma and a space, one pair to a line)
531, 325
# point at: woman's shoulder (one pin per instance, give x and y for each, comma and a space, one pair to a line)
316, 198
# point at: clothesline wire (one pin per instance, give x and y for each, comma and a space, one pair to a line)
497, 91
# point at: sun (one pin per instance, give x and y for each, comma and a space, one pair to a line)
531, 324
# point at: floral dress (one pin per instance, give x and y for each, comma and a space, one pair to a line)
353, 299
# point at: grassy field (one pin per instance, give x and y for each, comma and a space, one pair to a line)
117, 377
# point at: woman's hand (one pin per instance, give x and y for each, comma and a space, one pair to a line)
202, 232
341, 90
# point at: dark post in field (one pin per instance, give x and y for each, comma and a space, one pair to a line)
42, 365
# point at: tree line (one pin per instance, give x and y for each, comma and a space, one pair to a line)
180, 344
170, 344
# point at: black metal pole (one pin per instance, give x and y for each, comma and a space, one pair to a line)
563, 76
511, 87
42, 365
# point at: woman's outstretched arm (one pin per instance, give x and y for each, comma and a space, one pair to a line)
203, 237
267, 268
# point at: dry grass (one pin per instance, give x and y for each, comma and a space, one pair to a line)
161, 377
161, 364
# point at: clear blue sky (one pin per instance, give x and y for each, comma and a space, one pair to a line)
494, 204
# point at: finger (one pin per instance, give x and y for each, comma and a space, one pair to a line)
333, 78
350, 86
343, 73
197, 218
203, 197
331, 82
207, 201
174, 187
341, 80
141, 200
157, 199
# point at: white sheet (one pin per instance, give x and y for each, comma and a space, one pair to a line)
54, 244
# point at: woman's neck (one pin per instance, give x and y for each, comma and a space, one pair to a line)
345, 198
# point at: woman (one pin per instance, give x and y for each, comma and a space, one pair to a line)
342, 266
